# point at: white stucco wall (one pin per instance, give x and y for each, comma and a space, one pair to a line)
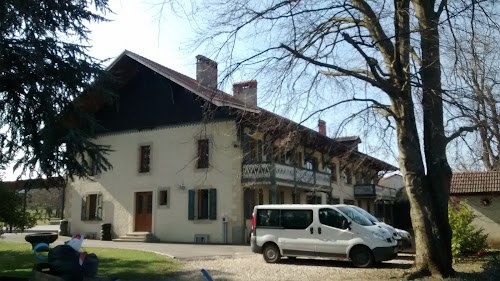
487, 217
394, 181
173, 164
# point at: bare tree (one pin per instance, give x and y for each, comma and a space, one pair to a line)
476, 75
393, 47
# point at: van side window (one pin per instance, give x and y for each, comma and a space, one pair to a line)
331, 218
268, 218
296, 219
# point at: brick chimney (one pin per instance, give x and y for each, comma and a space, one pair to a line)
206, 72
322, 127
246, 92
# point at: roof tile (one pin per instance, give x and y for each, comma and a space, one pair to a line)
475, 182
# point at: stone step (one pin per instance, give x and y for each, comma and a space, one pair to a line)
140, 234
130, 239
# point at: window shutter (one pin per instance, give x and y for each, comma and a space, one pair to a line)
212, 197
84, 209
99, 207
191, 205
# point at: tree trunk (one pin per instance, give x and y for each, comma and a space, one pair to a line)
429, 194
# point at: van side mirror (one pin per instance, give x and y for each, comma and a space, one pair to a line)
346, 224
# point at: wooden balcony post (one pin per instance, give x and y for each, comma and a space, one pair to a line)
294, 192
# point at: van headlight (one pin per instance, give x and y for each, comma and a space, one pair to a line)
378, 236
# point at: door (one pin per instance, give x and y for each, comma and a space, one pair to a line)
332, 240
143, 211
297, 232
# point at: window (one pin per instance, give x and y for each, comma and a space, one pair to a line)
331, 218
296, 219
145, 158
355, 215
312, 164
202, 204
268, 218
92, 207
202, 154
163, 197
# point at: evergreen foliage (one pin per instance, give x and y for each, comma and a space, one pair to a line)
46, 125
466, 237
12, 212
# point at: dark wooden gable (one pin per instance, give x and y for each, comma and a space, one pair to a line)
147, 100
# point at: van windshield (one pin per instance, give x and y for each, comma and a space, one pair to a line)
355, 215
366, 214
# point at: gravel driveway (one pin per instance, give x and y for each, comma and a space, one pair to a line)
254, 267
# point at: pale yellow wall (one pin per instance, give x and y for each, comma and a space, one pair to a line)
173, 154
488, 217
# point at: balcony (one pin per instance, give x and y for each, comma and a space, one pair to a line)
374, 191
266, 173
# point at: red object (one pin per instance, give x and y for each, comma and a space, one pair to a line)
253, 223
480, 253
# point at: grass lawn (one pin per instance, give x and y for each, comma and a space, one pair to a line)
16, 259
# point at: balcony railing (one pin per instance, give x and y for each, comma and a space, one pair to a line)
285, 174
374, 191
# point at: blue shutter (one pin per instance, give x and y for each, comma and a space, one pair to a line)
212, 197
191, 205
84, 209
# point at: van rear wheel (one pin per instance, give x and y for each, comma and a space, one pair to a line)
362, 257
271, 253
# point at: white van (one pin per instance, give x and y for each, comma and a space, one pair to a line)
319, 231
403, 237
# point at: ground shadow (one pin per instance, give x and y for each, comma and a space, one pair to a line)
340, 263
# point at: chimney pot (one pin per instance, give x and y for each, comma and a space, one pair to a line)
322, 127
206, 72
246, 92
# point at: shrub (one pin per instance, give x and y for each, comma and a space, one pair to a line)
466, 237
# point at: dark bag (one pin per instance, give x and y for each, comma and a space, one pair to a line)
63, 262
89, 266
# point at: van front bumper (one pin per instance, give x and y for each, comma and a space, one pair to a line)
253, 244
385, 253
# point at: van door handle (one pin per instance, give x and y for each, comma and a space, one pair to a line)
311, 230
319, 230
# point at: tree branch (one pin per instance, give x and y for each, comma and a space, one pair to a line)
461, 130
340, 69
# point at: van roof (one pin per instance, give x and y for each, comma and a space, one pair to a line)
292, 206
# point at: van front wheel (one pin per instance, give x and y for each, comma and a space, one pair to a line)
271, 253
362, 257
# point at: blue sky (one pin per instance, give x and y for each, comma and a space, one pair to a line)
135, 26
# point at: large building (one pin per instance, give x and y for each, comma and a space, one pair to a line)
190, 161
